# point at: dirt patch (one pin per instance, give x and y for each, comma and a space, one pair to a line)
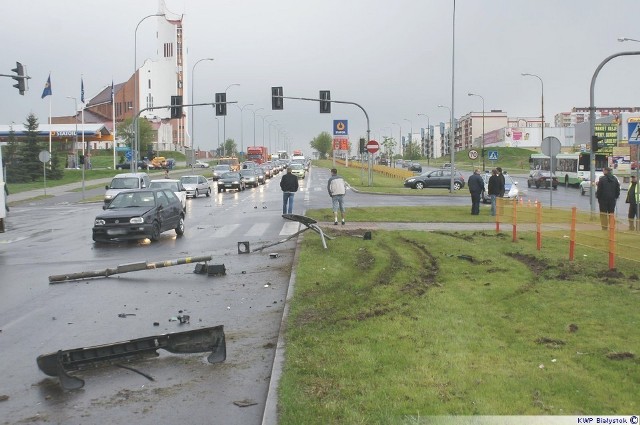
550, 342
464, 237
364, 259
607, 275
534, 264
372, 313
394, 265
426, 275
496, 270
620, 356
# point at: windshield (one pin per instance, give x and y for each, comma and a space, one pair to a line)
222, 168
231, 176
296, 166
189, 180
248, 173
132, 199
164, 185
124, 183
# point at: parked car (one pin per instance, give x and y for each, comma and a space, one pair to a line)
541, 178
250, 177
446, 166
125, 181
196, 185
510, 188
415, 166
219, 170
175, 186
139, 214
297, 169
142, 165
232, 180
437, 178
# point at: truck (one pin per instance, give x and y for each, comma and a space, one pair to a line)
257, 154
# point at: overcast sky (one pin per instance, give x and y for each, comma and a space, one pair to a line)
392, 57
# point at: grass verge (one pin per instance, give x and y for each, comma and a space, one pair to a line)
412, 324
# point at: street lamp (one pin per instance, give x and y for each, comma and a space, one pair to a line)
400, 139
134, 150
263, 117
525, 74
451, 144
410, 134
621, 39
428, 137
224, 120
75, 105
241, 125
193, 69
254, 123
477, 95
270, 124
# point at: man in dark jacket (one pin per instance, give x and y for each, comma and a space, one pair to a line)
289, 186
502, 181
476, 186
607, 193
493, 189
632, 200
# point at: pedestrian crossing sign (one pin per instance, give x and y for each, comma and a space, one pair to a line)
634, 131
493, 155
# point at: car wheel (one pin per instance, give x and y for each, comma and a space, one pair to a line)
196, 194
155, 232
456, 185
208, 192
537, 185
219, 190
180, 228
419, 185
528, 183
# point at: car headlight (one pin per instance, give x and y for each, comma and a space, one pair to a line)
99, 222
108, 197
411, 180
137, 220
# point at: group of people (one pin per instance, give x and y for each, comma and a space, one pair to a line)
607, 193
336, 187
495, 189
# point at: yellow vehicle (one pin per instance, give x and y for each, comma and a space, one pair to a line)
159, 162
231, 162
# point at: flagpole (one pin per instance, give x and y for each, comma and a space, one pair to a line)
50, 163
84, 158
113, 117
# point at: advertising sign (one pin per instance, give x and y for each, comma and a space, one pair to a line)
340, 127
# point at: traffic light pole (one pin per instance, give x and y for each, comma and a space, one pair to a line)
134, 156
344, 103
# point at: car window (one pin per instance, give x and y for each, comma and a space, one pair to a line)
162, 198
171, 197
189, 180
124, 183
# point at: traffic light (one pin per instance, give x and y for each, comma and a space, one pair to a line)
276, 98
363, 145
595, 143
325, 107
176, 106
21, 78
221, 104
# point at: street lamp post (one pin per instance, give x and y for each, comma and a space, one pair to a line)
400, 139
218, 123
263, 117
241, 125
193, 69
254, 123
135, 148
270, 124
410, 135
477, 95
428, 137
75, 103
525, 74
451, 144
224, 122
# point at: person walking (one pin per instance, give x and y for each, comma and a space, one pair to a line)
337, 188
476, 186
607, 193
289, 186
494, 188
633, 199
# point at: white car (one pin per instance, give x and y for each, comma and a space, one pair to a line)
297, 169
585, 185
173, 185
196, 185
510, 188
200, 164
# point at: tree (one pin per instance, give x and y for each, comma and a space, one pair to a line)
412, 151
26, 167
389, 144
146, 134
322, 143
230, 148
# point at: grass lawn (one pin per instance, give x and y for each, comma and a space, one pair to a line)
412, 324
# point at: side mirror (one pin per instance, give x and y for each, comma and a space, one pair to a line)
104, 206
106, 187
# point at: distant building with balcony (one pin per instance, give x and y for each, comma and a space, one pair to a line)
580, 115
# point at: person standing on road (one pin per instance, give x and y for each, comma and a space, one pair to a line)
476, 186
502, 182
494, 188
607, 193
289, 186
633, 200
337, 189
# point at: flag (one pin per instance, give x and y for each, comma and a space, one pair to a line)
112, 93
47, 88
81, 90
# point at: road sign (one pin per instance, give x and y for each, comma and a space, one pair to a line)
128, 155
550, 146
373, 146
44, 156
473, 154
340, 127
493, 155
634, 132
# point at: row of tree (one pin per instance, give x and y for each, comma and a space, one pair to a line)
323, 144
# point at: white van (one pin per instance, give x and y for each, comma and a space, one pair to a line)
125, 181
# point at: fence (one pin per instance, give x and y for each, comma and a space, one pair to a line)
615, 236
398, 173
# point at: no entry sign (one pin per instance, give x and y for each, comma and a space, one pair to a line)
373, 146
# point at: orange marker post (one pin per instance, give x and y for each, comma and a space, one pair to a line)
538, 225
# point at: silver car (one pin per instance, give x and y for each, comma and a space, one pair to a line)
196, 185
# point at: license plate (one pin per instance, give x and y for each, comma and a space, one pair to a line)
228, 185
113, 232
